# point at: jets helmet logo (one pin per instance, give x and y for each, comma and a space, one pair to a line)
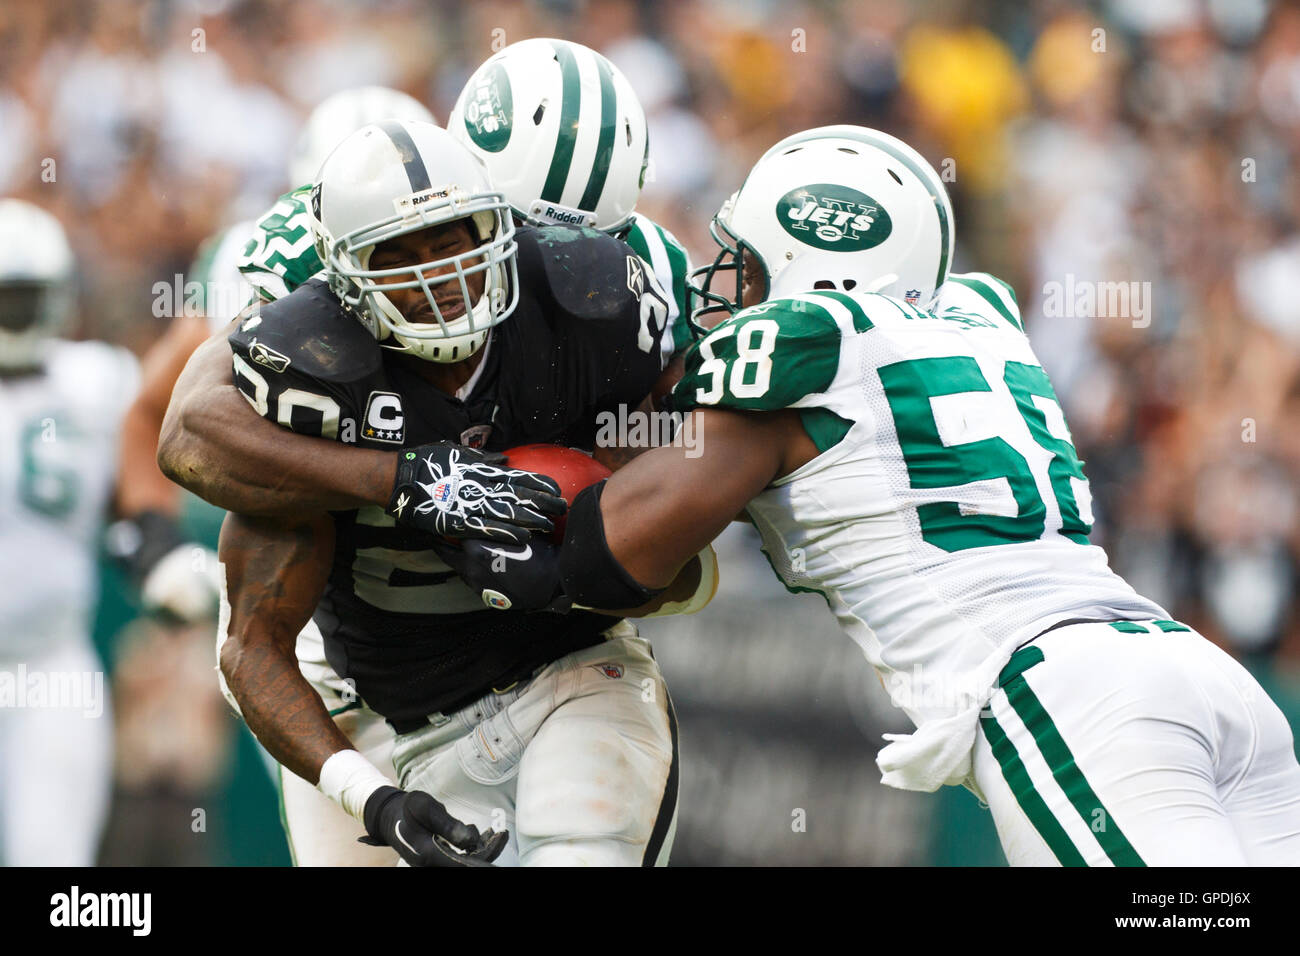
833, 217
487, 109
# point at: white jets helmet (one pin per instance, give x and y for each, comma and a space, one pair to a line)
837, 207
560, 130
343, 113
35, 282
396, 177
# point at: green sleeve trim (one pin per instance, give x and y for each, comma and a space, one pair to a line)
992, 298
679, 268
860, 321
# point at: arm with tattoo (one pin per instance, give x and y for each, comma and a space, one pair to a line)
275, 574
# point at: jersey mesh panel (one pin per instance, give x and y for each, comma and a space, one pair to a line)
1002, 590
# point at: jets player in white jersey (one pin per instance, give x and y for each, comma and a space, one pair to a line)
892, 436
61, 405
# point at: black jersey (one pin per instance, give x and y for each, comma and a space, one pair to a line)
583, 339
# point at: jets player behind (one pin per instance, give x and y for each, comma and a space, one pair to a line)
892, 436
516, 114
149, 539
61, 405
564, 136
440, 321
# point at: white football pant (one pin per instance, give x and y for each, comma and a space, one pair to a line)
579, 763
1138, 743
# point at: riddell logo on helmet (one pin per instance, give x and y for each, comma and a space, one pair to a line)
560, 215
563, 215
833, 217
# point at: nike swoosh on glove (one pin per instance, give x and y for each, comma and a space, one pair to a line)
423, 833
457, 492
522, 577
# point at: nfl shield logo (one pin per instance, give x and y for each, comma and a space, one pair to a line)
912, 296
611, 670
443, 492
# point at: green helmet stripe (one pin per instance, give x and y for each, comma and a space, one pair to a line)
570, 100
605, 146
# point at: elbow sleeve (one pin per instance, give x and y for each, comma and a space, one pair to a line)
591, 575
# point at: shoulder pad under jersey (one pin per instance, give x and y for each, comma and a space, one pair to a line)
595, 285
979, 294
305, 363
770, 356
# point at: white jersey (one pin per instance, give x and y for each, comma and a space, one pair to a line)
946, 519
58, 457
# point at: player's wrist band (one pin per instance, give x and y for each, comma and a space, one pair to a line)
591, 575
349, 779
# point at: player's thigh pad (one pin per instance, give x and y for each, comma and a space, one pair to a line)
598, 782
579, 762
1106, 747
1260, 787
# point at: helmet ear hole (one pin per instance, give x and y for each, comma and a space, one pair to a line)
823, 284
850, 284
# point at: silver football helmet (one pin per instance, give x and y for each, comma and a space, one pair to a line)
394, 178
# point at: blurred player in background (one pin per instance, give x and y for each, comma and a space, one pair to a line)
61, 406
518, 114
894, 439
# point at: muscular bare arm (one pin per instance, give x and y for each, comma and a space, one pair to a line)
215, 445
275, 573
665, 506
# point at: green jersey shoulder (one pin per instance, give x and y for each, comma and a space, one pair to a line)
787, 352
767, 357
671, 265
282, 253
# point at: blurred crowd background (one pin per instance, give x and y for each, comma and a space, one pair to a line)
1154, 142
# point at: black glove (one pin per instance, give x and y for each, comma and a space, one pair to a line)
522, 577
423, 833
458, 492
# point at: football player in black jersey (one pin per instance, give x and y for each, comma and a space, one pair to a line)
556, 727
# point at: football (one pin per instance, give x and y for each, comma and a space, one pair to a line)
572, 470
